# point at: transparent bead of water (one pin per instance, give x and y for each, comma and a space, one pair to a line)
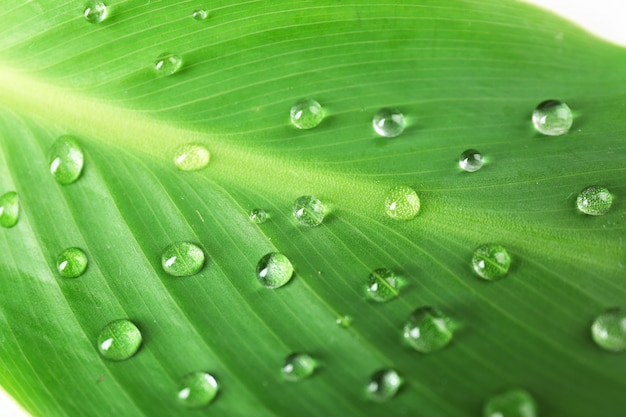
512, 403
274, 270
182, 259
308, 211
119, 340
428, 330
552, 118
382, 285
471, 160
168, 64
95, 11
491, 261
298, 366
197, 389
594, 200
72, 262
258, 216
389, 122
9, 209
344, 321
402, 203
191, 157
306, 114
609, 330
66, 159
199, 14
383, 385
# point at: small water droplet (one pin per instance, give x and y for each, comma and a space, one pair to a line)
191, 157
182, 259
512, 403
72, 262
258, 216
119, 340
552, 118
298, 366
428, 330
594, 200
344, 321
383, 385
9, 209
95, 11
274, 270
402, 203
309, 211
66, 160
382, 285
197, 389
168, 64
306, 114
389, 122
491, 261
609, 330
471, 160
199, 14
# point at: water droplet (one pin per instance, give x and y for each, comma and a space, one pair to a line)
191, 157
72, 262
471, 160
199, 14
95, 11
389, 122
491, 261
309, 211
306, 114
512, 403
66, 160
258, 216
119, 340
298, 366
9, 209
428, 330
382, 285
383, 385
197, 389
402, 203
552, 118
274, 270
594, 200
609, 330
182, 259
344, 321
168, 64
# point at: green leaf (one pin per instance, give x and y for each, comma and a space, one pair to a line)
466, 74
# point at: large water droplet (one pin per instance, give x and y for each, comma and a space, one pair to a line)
382, 285
552, 118
471, 160
72, 262
306, 114
594, 200
168, 64
609, 330
402, 203
199, 14
512, 403
491, 261
119, 340
182, 259
428, 330
308, 211
383, 385
389, 122
258, 216
9, 209
95, 11
191, 157
197, 389
66, 159
298, 366
274, 270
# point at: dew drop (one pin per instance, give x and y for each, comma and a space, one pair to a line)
199, 14
428, 330
471, 160
382, 285
119, 340
197, 389
66, 160
344, 321
491, 261
95, 11
72, 262
274, 270
402, 203
308, 211
512, 403
9, 209
298, 366
182, 259
389, 122
609, 330
383, 385
191, 157
258, 216
552, 118
168, 64
306, 114
594, 200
